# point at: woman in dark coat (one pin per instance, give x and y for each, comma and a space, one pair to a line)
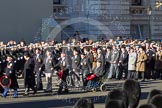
10, 73
1, 74
158, 64
29, 77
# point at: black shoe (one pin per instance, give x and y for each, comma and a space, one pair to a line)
34, 92
59, 92
25, 94
143, 80
66, 91
3, 96
47, 91
39, 89
15, 96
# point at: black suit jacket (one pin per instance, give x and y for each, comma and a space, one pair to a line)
85, 64
38, 60
115, 56
102, 59
98, 71
10, 73
63, 65
76, 63
49, 64
124, 58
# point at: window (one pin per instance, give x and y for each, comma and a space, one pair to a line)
137, 11
56, 1
136, 2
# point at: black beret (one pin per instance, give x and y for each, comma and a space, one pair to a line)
9, 55
27, 54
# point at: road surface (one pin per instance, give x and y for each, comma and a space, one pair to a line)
52, 100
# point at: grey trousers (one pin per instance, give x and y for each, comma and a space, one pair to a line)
113, 71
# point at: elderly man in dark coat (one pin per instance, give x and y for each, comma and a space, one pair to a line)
38, 59
123, 63
85, 68
29, 77
76, 68
64, 71
95, 76
114, 70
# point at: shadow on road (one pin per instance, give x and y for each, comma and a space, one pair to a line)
52, 103
144, 95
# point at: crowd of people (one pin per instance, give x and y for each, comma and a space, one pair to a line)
115, 59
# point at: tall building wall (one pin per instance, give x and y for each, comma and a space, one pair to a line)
156, 20
109, 14
127, 18
117, 16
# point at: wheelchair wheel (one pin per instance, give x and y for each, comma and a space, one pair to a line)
103, 87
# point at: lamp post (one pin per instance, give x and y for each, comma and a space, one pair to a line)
149, 11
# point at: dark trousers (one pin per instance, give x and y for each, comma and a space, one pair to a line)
75, 78
49, 84
149, 72
49, 81
84, 75
63, 84
140, 74
107, 66
158, 73
29, 82
39, 84
131, 74
122, 72
28, 88
113, 71
1, 88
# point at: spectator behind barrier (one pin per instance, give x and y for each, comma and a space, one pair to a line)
133, 91
147, 106
117, 94
153, 93
84, 103
115, 104
157, 101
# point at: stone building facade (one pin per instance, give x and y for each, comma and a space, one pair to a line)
127, 18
